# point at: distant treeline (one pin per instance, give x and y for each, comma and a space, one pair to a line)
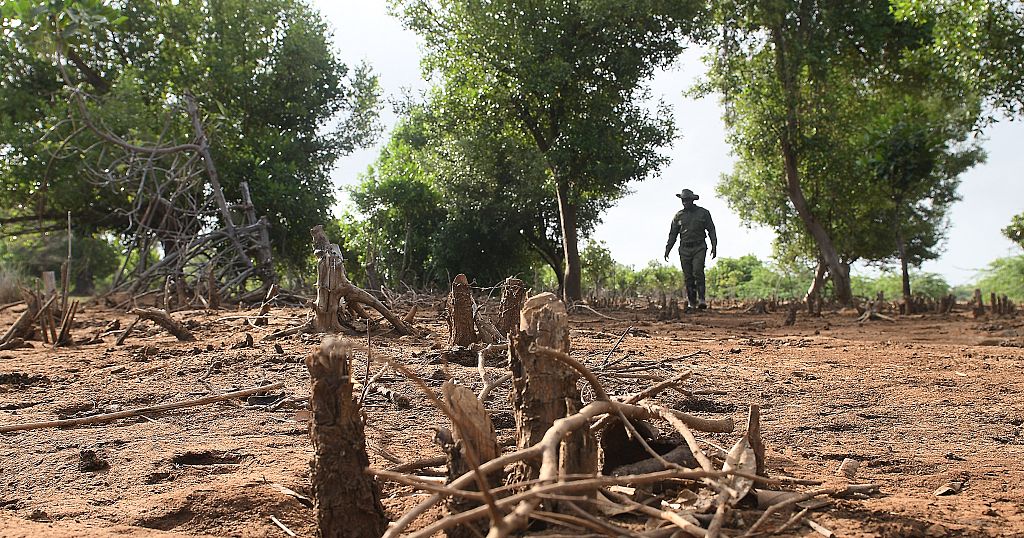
748, 277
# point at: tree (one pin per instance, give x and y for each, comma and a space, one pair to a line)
492, 211
916, 151
800, 81
568, 77
1015, 230
264, 70
976, 45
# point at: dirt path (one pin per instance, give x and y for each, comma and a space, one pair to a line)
919, 402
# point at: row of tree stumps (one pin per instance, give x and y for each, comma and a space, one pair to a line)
347, 500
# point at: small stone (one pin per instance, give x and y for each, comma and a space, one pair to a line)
936, 531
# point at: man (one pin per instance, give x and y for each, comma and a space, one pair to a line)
690, 224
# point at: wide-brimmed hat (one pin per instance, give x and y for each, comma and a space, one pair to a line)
687, 194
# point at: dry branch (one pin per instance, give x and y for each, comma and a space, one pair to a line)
96, 419
163, 319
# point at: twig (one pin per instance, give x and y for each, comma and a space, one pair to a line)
792, 521
95, 419
581, 305
124, 335
282, 526
671, 517
616, 346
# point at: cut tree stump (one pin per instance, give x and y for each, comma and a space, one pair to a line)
544, 390
473, 440
513, 294
346, 499
22, 327
461, 331
163, 319
333, 287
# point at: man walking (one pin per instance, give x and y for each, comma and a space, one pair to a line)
689, 224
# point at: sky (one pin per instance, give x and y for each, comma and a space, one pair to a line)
992, 192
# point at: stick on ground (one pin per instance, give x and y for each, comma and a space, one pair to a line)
96, 419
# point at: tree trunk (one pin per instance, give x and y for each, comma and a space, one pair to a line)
567, 214
544, 390
346, 499
513, 294
901, 248
461, 331
839, 272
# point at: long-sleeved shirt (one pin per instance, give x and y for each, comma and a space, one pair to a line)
689, 225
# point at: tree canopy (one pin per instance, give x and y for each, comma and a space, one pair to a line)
568, 77
281, 106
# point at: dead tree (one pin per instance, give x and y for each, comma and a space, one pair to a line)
472, 442
346, 499
461, 330
513, 294
544, 390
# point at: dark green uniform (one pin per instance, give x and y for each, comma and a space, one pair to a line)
690, 225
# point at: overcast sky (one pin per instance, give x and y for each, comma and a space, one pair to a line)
636, 228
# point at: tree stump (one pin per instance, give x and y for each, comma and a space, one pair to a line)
346, 499
472, 440
333, 286
22, 328
979, 305
544, 390
461, 330
513, 293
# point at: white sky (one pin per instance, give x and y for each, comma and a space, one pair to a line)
636, 228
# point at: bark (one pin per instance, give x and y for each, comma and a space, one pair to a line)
572, 290
346, 499
513, 294
839, 272
545, 390
460, 314
22, 327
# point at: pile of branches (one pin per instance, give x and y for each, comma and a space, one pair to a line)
551, 478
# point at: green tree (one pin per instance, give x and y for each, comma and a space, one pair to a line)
282, 106
1015, 230
801, 83
569, 78
915, 153
1004, 276
976, 45
598, 266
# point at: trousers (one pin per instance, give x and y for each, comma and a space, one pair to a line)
692, 260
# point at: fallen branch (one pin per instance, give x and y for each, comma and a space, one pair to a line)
96, 419
163, 319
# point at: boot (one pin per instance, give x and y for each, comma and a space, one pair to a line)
701, 289
691, 298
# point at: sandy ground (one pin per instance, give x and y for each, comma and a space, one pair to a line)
919, 402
